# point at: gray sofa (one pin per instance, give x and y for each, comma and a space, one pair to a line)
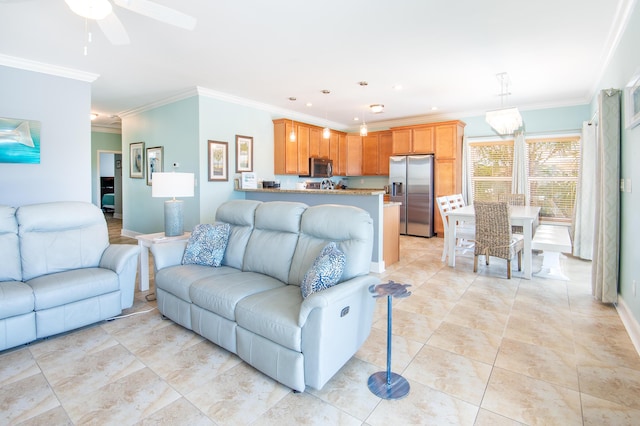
58, 271
252, 304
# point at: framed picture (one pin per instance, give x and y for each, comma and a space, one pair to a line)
632, 101
244, 154
218, 161
136, 160
154, 162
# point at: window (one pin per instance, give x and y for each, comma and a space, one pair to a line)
491, 168
551, 164
552, 167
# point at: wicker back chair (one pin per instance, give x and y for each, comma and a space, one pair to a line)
494, 236
464, 233
513, 200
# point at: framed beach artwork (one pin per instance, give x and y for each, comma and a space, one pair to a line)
632, 101
218, 161
136, 160
154, 162
19, 141
244, 154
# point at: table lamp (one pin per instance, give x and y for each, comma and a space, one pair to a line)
173, 185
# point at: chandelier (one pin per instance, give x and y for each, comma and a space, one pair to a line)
507, 120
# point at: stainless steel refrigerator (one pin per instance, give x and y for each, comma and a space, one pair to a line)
411, 183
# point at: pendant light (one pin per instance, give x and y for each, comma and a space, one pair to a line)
364, 131
292, 133
507, 120
326, 132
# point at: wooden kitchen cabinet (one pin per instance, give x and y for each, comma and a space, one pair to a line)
390, 233
318, 146
376, 149
413, 140
350, 159
448, 163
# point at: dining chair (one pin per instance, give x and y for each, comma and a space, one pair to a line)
494, 236
464, 233
513, 200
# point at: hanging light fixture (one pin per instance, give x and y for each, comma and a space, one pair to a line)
292, 133
363, 127
376, 108
326, 132
504, 120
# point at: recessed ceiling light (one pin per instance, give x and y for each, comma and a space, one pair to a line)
376, 108
309, 104
326, 91
397, 87
293, 98
434, 108
363, 83
356, 118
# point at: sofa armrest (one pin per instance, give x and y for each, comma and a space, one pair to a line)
168, 254
123, 260
335, 295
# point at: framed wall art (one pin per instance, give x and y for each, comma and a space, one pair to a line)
19, 141
218, 161
155, 160
136, 160
632, 101
244, 154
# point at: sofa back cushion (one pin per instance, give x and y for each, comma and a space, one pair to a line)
10, 269
240, 215
274, 238
60, 236
351, 228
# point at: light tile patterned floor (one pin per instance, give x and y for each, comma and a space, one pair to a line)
475, 348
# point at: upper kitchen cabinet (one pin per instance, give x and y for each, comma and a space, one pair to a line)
448, 139
376, 149
413, 140
290, 157
350, 156
318, 146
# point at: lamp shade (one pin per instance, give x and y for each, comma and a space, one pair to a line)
172, 184
504, 121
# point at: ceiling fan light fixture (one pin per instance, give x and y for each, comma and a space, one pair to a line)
90, 9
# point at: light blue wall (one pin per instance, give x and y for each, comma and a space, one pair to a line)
175, 128
222, 121
62, 105
101, 141
624, 64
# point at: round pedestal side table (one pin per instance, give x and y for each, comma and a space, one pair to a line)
386, 384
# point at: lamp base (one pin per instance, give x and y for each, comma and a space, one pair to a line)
173, 218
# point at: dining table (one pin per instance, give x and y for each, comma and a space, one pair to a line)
525, 216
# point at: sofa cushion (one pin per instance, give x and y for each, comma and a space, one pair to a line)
177, 279
273, 241
16, 298
273, 315
10, 269
71, 286
325, 271
222, 294
240, 214
60, 236
207, 244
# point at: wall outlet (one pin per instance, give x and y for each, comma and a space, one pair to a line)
627, 184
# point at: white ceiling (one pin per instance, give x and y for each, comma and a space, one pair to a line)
445, 53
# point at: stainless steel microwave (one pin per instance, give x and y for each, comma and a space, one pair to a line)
320, 167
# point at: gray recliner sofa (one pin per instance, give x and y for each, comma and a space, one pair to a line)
252, 304
58, 271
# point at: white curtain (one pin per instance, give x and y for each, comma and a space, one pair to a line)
604, 268
519, 184
585, 208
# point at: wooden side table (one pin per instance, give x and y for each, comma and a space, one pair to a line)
145, 241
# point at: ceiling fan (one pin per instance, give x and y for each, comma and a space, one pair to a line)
102, 12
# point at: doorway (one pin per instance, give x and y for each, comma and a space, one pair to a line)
109, 182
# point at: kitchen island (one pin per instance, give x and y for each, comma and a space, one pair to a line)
370, 200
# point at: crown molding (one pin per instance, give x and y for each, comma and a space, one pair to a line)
189, 93
41, 67
106, 129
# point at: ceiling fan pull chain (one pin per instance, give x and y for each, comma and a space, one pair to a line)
87, 36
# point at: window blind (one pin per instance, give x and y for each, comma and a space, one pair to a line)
491, 169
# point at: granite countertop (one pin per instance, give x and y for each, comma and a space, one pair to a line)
392, 203
348, 191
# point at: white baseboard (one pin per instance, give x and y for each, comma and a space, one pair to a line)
128, 233
630, 323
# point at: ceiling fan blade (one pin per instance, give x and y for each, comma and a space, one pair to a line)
114, 30
159, 12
